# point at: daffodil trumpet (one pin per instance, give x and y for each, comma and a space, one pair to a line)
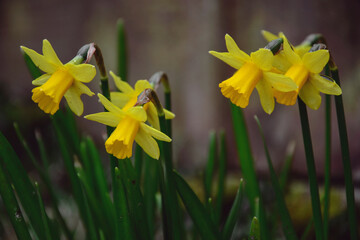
60, 80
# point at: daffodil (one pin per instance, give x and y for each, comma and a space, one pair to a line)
129, 126
305, 71
128, 97
253, 71
59, 80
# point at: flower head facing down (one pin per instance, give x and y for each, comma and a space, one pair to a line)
305, 71
128, 97
129, 126
254, 71
59, 80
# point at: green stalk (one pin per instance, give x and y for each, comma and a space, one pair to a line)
247, 166
327, 170
139, 154
121, 50
349, 186
310, 162
43, 213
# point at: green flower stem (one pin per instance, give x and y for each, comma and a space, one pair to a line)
310, 162
247, 166
327, 170
121, 50
346, 159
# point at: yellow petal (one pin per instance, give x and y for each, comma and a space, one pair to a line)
119, 99
233, 49
152, 116
82, 88
82, 72
73, 99
289, 53
263, 58
266, 96
268, 35
107, 118
324, 85
148, 144
302, 49
310, 96
316, 61
168, 114
40, 61
137, 113
109, 105
228, 58
155, 133
280, 82
41, 80
50, 54
141, 85
121, 85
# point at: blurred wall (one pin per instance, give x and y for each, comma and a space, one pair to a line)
175, 37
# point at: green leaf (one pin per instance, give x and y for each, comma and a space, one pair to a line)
284, 174
12, 206
254, 230
44, 217
121, 50
23, 187
233, 214
209, 170
287, 225
196, 210
221, 178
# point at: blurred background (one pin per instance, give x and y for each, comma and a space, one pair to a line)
175, 37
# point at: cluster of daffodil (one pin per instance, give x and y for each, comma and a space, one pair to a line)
292, 71
129, 121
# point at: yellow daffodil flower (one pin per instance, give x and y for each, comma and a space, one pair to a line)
59, 80
305, 72
128, 97
253, 71
130, 126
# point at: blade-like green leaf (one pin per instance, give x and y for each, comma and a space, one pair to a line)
221, 178
233, 214
288, 228
23, 187
209, 170
196, 210
12, 206
121, 50
254, 230
284, 174
44, 217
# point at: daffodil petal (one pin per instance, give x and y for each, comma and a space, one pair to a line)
122, 85
148, 144
119, 99
280, 82
268, 35
316, 61
41, 80
289, 53
266, 96
302, 49
50, 54
263, 58
152, 116
228, 58
141, 85
82, 88
310, 96
138, 113
168, 114
233, 49
73, 99
82, 72
40, 61
155, 133
324, 85
108, 118
109, 105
